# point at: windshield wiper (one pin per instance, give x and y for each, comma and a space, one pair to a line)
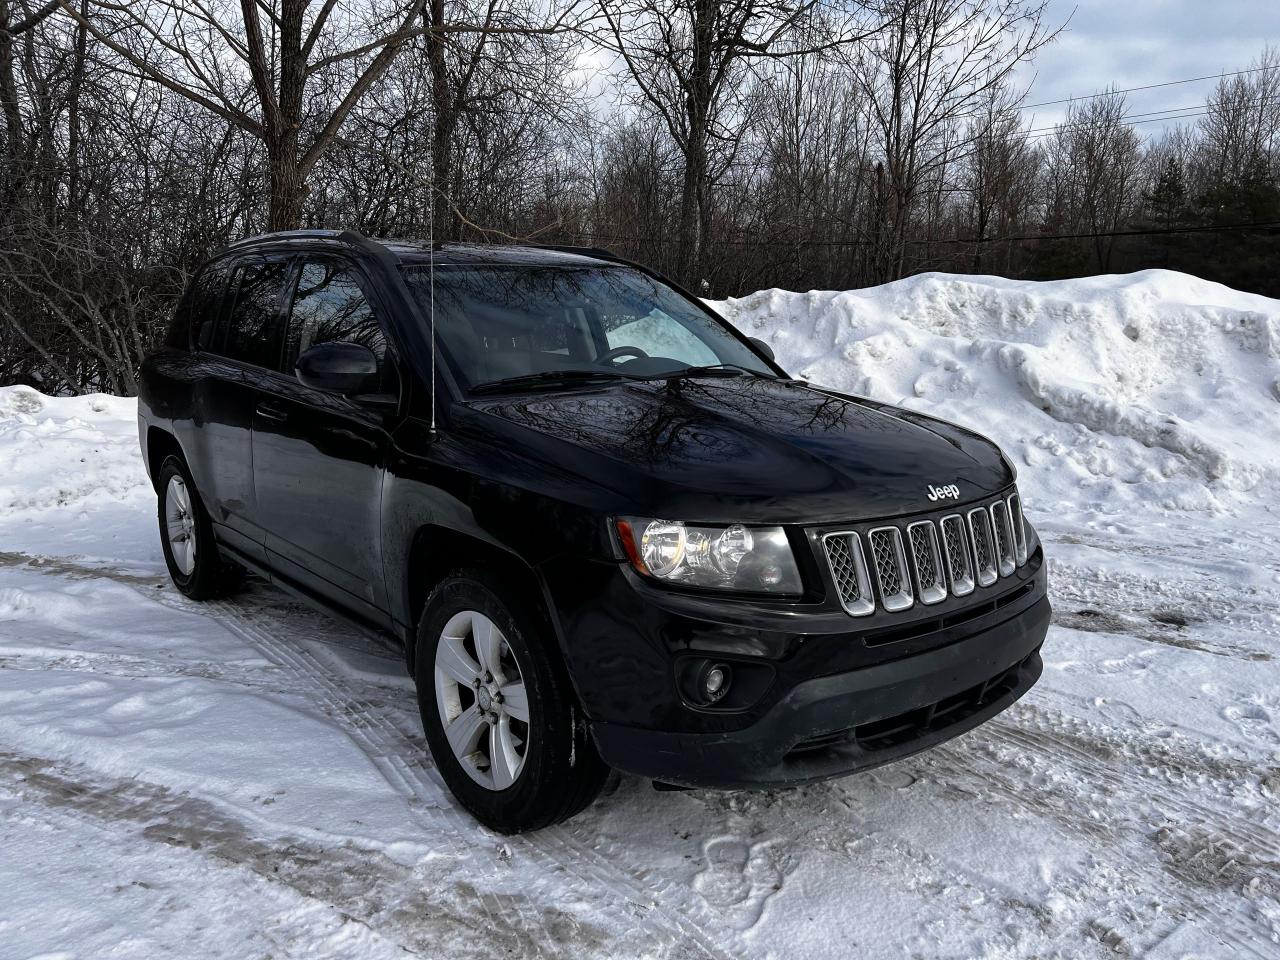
549, 378
725, 369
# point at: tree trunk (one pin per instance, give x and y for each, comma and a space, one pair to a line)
695, 212
285, 176
691, 200
445, 223
285, 183
73, 117
9, 104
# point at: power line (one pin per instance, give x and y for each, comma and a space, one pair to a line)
1159, 231
1200, 108
1149, 86
1177, 113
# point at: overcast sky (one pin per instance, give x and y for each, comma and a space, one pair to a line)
1130, 43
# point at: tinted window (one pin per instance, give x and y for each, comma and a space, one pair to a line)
499, 321
328, 306
253, 326
205, 301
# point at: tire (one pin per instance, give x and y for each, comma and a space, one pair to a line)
551, 769
195, 564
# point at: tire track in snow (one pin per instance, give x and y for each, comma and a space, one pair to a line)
358, 721
1142, 811
424, 908
406, 765
388, 744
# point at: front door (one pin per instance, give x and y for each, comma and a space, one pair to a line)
318, 458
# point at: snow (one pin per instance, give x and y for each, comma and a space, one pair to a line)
248, 778
1120, 392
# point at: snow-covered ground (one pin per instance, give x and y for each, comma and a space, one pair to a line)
248, 779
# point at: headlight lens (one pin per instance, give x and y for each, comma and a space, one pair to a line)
731, 557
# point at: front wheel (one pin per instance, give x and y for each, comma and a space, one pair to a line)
500, 717
186, 537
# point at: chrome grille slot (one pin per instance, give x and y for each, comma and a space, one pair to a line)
849, 571
927, 559
1019, 529
984, 550
1002, 531
891, 568
956, 553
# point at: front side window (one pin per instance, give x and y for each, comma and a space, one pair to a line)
253, 325
328, 306
502, 321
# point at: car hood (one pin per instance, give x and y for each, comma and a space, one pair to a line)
746, 449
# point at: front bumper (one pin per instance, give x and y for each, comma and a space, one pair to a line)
834, 725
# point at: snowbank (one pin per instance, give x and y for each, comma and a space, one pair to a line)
1152, 388
70, 472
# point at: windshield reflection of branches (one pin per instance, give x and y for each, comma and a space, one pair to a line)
529, 310
683, 420
655, 433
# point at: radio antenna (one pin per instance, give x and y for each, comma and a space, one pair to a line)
431, 279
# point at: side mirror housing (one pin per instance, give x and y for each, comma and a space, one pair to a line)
762, 347
344, 368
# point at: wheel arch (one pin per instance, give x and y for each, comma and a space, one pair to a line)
437, 551
161, 444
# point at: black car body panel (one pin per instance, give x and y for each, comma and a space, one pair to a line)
349, 501
746, 450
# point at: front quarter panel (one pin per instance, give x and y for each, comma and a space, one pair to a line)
459, 479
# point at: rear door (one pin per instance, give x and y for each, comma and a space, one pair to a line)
319, 458
238, 351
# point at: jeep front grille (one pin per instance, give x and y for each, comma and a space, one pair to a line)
849, 570
927, 560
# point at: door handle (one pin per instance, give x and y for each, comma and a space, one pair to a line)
269, 411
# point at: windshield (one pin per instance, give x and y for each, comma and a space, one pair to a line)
498, 322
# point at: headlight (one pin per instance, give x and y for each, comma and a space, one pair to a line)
731, 557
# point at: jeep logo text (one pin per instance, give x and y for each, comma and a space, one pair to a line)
949, 492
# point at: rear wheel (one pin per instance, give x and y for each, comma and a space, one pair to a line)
500, 717
186, 536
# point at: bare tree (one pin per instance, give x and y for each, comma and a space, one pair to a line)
689, 61
506, 73
255, 75
998, 178
1240, 133
1095, 164
931, 69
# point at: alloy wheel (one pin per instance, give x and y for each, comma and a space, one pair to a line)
180, 525
484, 706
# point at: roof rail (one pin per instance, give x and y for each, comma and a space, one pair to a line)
352, 238
600, 253
282, 235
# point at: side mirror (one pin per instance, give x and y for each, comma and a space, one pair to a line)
338, 367
762, 347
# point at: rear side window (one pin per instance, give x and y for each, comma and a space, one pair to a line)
328, 305
205, 301
253, 325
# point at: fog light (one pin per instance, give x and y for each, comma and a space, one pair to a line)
715, 681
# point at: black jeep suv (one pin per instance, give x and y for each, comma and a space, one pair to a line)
606, 527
